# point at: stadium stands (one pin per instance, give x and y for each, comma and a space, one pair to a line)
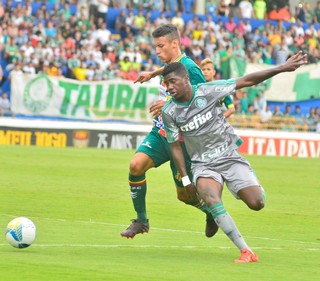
101, 48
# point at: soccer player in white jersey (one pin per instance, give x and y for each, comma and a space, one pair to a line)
195, 113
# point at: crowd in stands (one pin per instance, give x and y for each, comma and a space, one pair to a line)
79, 44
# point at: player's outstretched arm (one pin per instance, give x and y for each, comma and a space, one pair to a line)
293, 63
146, 76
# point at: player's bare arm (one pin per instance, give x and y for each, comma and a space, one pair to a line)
146, 76
179, 160
293, 63
228, 112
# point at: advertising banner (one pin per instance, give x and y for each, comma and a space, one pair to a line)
42, 95
129, 136
302, 84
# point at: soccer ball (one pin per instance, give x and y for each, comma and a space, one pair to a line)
20, 232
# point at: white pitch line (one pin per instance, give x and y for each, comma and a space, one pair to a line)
181, 247
172, 230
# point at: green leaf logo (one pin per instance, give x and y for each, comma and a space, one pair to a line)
38, 93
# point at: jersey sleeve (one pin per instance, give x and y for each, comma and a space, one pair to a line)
196, 76
228, 102
172, 131
220, 89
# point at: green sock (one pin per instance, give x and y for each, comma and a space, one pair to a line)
227, 225
204, 208
138, 190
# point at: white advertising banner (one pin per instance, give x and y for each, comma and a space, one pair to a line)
83, 100
302, 84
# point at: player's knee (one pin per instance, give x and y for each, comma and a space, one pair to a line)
256, 205
136, 167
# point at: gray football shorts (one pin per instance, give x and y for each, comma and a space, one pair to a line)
231, 168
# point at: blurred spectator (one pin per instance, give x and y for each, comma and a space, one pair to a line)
11, 51
93, 10
246, 9
209, 23
222, 8
125, 64
234, 10
5, 105
277, 112
29, 68
178, 21
90, 73
55, 12
51, 69
287, 111
311, 119
238, 52
103, 6
130, 24
279, 13
230, 25
260, 9
188, 6
103, 35
211, 7
157, 5
9, 8
80, 72
171, 6
309, 15
281, 53
260, 103
244, 102
266, 115
65, 11
299, 119
298, 28
15, 71
300, 12
2, 11
82, 10
162, 19
121, 26
139, 20
131, 74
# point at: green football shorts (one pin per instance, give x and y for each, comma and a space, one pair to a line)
158, 149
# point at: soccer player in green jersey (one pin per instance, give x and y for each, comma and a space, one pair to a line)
154, 150
208, 71
195, 113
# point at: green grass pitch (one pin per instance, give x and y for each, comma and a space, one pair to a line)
79, 200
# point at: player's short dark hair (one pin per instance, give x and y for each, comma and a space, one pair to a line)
168, 30
176, 67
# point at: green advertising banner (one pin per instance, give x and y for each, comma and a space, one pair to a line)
104, 100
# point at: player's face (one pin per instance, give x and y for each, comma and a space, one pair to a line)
165, 48
208, 72
177, 86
